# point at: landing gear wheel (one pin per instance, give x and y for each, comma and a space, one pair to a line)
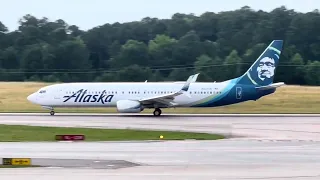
157, 112
51, 113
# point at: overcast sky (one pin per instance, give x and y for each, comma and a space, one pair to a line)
90, 13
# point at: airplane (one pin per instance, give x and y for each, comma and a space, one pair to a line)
134, 97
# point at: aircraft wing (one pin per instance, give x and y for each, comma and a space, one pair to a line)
167, 99
271, 86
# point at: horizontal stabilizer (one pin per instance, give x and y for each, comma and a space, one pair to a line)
271, 86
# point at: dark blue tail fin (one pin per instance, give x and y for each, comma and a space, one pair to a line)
262, 71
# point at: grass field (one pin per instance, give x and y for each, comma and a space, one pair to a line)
287, 99
18, 133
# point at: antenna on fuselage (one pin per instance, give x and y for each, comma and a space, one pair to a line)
146, 81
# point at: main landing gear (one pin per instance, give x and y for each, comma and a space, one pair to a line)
52, 112
157, 112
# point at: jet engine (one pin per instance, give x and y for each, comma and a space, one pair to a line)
129, 106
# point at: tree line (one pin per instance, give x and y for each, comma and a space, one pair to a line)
218, 45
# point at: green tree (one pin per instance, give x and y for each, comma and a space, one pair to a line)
313, 73
133, 52
3, 28
232, 65
297, 75
9, 58
165, 49
160, 50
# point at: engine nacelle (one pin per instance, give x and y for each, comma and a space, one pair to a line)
129, 106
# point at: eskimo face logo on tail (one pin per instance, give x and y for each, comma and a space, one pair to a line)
266, 68
82, 96
263, 71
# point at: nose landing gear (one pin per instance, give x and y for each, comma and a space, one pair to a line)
50, 108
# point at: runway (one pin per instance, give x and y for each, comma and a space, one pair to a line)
260, 147
306, 127
226, 159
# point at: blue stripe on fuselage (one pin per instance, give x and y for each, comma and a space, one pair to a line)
229, 95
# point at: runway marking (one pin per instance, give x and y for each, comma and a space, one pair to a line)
278, 177
280, 130
277, 140
54, 167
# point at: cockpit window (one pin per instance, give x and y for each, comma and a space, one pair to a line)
42, 91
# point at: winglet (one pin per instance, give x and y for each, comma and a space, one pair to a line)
191, 79
195, 77
184, 89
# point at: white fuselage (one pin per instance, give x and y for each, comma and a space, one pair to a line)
56, 95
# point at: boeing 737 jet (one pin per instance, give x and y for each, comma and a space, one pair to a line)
134, 97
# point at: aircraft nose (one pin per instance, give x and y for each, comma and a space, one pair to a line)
32, 98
